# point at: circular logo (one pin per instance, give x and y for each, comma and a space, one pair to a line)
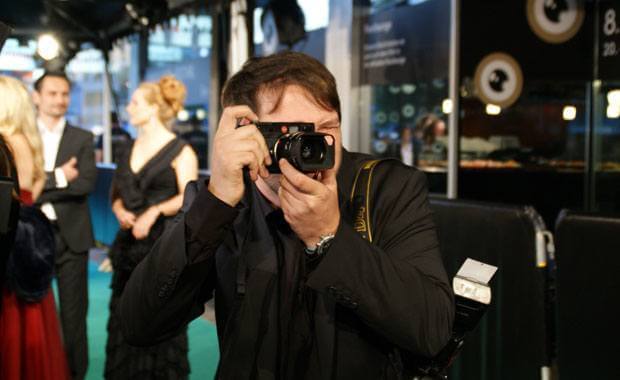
408, 110
555, 21
498, 79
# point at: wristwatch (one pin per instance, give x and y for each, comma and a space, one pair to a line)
321, 247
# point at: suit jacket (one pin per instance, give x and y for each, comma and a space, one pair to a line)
370, 297
71, 203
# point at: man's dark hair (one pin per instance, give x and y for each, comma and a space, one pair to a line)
274, 73
58, 74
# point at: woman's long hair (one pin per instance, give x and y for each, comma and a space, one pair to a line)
17, 117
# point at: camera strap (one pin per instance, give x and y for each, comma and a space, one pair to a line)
361, 209
360, 198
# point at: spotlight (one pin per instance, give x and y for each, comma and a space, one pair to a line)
492, 109
145, 13
48, 47
613, 106
613, 97
613, 111
201, 114
183, 115
569, 113
446, 106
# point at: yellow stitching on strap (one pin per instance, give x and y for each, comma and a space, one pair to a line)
369, 166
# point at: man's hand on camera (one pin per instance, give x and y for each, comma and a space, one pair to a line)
310, 205
233, 149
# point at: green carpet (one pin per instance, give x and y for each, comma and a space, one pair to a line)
203, 347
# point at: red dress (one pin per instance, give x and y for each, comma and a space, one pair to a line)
30, 343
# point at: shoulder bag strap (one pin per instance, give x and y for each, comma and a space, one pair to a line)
360, 198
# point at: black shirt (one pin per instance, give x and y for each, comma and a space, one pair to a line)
347, 316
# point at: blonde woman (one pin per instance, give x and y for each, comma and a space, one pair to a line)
30, 343
18, 127
147, 190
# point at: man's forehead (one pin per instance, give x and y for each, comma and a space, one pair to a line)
52, 83
292, 98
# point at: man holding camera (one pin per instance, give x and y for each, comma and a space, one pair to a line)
299, 293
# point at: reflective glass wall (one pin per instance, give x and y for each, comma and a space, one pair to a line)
182, 47
537, 102
604, 138
401, 58
302, 28
526, 69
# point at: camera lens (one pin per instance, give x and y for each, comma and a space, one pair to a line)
305, 151
312, 150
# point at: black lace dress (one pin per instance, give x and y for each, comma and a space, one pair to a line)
154, 183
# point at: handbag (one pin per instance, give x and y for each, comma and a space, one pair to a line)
30, 265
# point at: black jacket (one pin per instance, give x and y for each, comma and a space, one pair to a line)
71, 203
368, 298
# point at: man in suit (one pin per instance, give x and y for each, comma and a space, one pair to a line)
299, 293
69, 161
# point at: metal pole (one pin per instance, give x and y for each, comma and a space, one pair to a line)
214, 90
107, 120
592, 96
453, 121
143, 52
110, 104
239, 44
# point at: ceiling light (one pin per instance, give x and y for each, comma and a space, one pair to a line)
48, 47
569, 113
613, 111
183, 115
446, 106
613, 97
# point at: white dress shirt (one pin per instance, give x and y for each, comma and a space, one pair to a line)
51, 142
406, 153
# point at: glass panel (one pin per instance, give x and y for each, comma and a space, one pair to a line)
606, 132
86, 110
529, 153
307, 37
182, 48
606, 149
524, 104
543, 130
403, 82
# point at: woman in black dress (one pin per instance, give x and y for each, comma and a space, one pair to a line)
147, 190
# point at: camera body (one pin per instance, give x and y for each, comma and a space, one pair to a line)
308, 151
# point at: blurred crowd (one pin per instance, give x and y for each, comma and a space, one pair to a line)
47, 169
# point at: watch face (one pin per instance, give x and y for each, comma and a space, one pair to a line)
324, 244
